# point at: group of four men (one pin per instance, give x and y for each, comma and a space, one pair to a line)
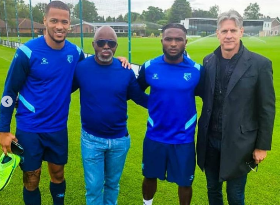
234, 130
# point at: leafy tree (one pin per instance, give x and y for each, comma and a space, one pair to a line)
180, 10
109, 19
23, 10
252, 11
100, 19
162, 22
153, 14
133, 15
199, 13
167, 13
10, 12
89, 11
152, 28
41, 7
140, 18
214, 11
120, 19
38, 12
74, 21
264, 17
71, 7
37, 15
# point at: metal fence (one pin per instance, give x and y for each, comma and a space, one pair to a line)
87, 15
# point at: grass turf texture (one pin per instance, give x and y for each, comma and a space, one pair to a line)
262, 188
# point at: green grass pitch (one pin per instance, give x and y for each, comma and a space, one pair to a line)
263, 187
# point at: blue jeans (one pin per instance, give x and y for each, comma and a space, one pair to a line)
235, 187
103, 162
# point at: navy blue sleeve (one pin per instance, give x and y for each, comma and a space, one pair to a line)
135, 93
82, 56
142, 78
75, 85
17, 74
75, 82
199, 90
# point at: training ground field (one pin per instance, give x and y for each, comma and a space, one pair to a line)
263, 187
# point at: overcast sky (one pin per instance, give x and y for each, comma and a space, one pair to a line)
108, 7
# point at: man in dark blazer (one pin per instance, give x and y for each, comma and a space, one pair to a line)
236, 123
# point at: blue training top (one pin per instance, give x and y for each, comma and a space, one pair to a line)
43, 77
172, 111
104, 91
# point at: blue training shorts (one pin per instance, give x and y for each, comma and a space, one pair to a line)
173, 162
51, 147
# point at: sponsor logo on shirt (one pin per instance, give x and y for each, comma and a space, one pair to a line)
44, 61
155, 76
70, 58
187, 76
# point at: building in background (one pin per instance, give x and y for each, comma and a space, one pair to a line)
2, 26
121, 28
200, 26
271, 27
207, 27
24, 26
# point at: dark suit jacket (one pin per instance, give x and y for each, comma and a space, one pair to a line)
248, 112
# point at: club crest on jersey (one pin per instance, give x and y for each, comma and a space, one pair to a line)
187, 76
44, 61
70, 58
155, 76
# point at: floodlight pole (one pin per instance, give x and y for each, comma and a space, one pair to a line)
31, 19
6, 22
81, 24
129, 31
17, 21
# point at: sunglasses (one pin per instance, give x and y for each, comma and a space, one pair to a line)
252, 166
110, 43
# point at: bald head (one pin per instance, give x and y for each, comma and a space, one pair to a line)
105, 32
105, 45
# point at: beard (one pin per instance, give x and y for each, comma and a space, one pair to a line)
55, 40
173, 57
107, 59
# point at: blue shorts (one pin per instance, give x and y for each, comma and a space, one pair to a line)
51, 147
173, 162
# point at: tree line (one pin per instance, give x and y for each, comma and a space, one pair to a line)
180, 10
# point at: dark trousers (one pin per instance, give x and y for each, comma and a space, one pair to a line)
235, 187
